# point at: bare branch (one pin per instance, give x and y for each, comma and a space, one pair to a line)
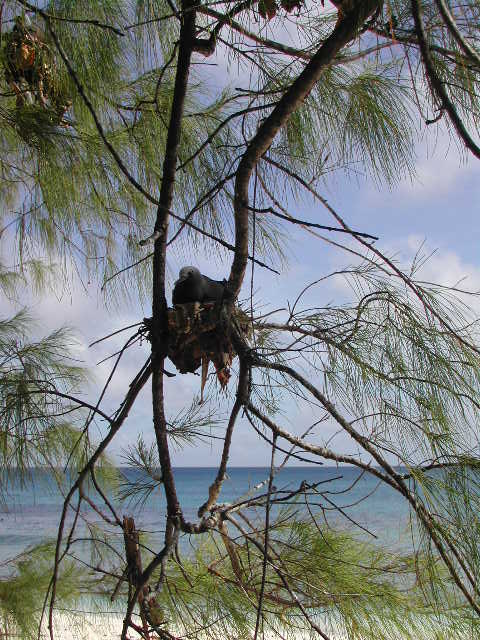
242, 394
344, 31
314, 225
116, 424
436, 83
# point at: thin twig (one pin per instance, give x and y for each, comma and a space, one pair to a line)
130, 326
116, 424
304, 223
266, 537
436, 83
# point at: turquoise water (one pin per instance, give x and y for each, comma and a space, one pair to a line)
30, 514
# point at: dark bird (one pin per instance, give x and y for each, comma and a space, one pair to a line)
192, 286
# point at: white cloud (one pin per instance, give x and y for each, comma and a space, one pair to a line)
437, 175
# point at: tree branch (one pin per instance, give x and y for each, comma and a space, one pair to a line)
345, 30
116, 424
242, 395
395, 480
465, 46
159, 302
314, 225
436, 83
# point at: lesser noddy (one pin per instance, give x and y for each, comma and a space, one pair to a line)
193, 286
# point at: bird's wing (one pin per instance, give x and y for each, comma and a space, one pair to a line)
211, 281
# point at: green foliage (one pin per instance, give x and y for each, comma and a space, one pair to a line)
358, 113
410, 387
408, 382
143, 459
346, 585
81, 205
22, 593
191, 425
9, 281
38, 427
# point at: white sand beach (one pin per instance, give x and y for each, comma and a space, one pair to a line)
89, 627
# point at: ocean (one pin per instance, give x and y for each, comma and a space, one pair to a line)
29, 515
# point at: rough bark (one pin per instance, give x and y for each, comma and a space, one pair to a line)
159, 304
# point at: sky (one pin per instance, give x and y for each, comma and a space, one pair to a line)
438, 211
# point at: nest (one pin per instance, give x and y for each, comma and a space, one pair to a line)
31, 73
200, 333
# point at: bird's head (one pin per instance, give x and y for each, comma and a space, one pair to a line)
187, 272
